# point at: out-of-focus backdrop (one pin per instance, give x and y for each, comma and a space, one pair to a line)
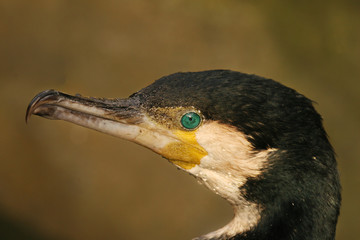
60, 181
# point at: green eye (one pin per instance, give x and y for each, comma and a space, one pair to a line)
190, 120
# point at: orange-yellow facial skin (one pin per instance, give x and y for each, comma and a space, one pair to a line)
186, 152
181, 148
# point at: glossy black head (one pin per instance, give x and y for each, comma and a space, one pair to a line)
270, 114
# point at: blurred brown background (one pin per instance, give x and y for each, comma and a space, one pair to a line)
60, 181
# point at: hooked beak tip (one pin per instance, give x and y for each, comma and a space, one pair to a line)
39, 99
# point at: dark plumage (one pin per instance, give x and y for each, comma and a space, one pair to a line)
271, 114
297, 189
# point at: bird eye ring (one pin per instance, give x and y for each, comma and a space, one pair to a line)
190, 120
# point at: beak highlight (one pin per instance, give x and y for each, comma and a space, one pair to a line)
117, 117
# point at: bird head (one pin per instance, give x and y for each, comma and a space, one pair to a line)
253, 141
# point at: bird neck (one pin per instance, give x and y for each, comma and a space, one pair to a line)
288, 220
300, 202
284, 202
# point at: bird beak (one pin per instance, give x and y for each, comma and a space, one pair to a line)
124, 118
117, 117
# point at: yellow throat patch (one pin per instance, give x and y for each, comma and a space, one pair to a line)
186, 152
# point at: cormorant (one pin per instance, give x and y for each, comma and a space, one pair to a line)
251, 140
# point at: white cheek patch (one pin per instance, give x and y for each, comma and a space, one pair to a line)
228, 165
230, 156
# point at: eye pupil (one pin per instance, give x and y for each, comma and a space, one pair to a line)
190, 120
